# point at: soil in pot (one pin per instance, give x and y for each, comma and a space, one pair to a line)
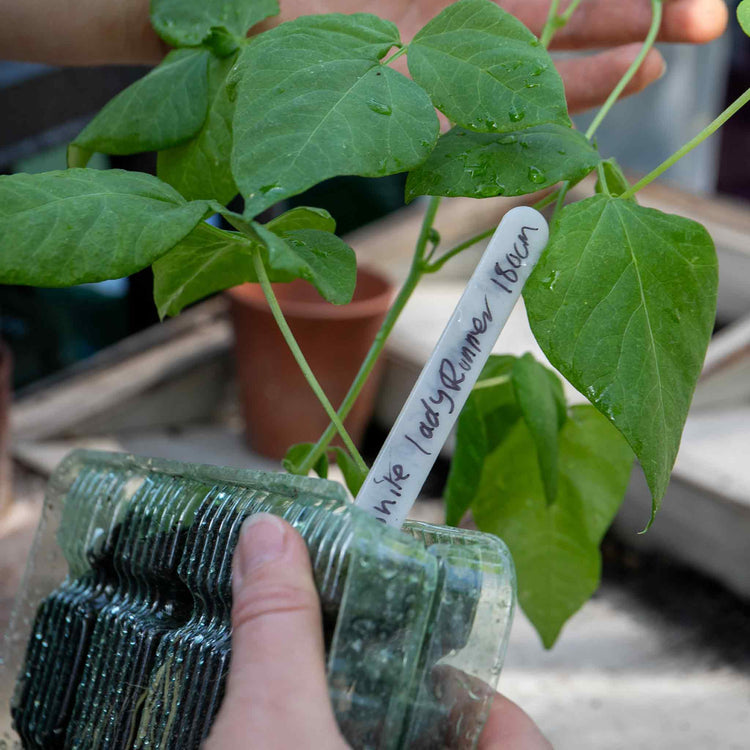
278, 405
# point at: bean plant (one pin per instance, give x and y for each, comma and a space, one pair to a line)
622, 302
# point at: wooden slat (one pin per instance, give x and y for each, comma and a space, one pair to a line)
129, 370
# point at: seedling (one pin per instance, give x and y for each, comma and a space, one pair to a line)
622, 302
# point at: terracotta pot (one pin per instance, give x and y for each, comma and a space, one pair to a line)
279, 407
6, 373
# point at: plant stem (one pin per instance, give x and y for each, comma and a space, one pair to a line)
416, 272
569, 11
396, 54
562, 194
656, 14
690, 145
550, 25
547, 200
491, 382
556, 21
602, 177
286, 332
443, 259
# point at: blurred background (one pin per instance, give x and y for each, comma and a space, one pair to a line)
661, 656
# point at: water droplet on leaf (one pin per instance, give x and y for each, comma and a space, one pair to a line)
508, 140
379, 107
536, 175
548, 282
516, 115
486, 191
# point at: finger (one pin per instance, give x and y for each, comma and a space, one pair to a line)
589, 80
508, 727
276, 693
601, 23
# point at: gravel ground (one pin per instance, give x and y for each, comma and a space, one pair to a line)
660, 658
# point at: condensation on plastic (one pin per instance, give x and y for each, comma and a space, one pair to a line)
120, 637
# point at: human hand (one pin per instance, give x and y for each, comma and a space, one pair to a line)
276, 695
92, 32
616, 27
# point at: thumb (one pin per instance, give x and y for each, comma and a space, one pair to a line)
276, 693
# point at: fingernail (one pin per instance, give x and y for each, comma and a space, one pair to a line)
262, 539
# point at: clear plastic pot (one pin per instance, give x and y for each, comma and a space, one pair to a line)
121, 636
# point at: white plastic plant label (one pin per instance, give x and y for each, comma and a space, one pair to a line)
445, 383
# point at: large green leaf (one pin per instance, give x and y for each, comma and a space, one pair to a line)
555, 547
160, 110
313, 102
482, 165
187, 23
200, 168
486, 71
209, 260
83, 225
540, 397
623, 303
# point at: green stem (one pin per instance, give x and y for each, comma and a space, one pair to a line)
602, 177
547, 200
286, 332
556, 195
550, 25
656, 14
491, 382
569, 11
416, 272
396, 55
688, 147
443, 259
562, 194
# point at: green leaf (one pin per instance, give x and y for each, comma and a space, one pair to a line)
615, 182
302, 217
187, 23
321, 258
353, 475
623, 303
209, 260
162, 109
488, 416
540, 396
297, 454
486, 71
313, 102
483, 165
743, 16
555, 547
83, 225
200, 168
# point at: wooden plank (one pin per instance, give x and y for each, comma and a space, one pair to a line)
116, 377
